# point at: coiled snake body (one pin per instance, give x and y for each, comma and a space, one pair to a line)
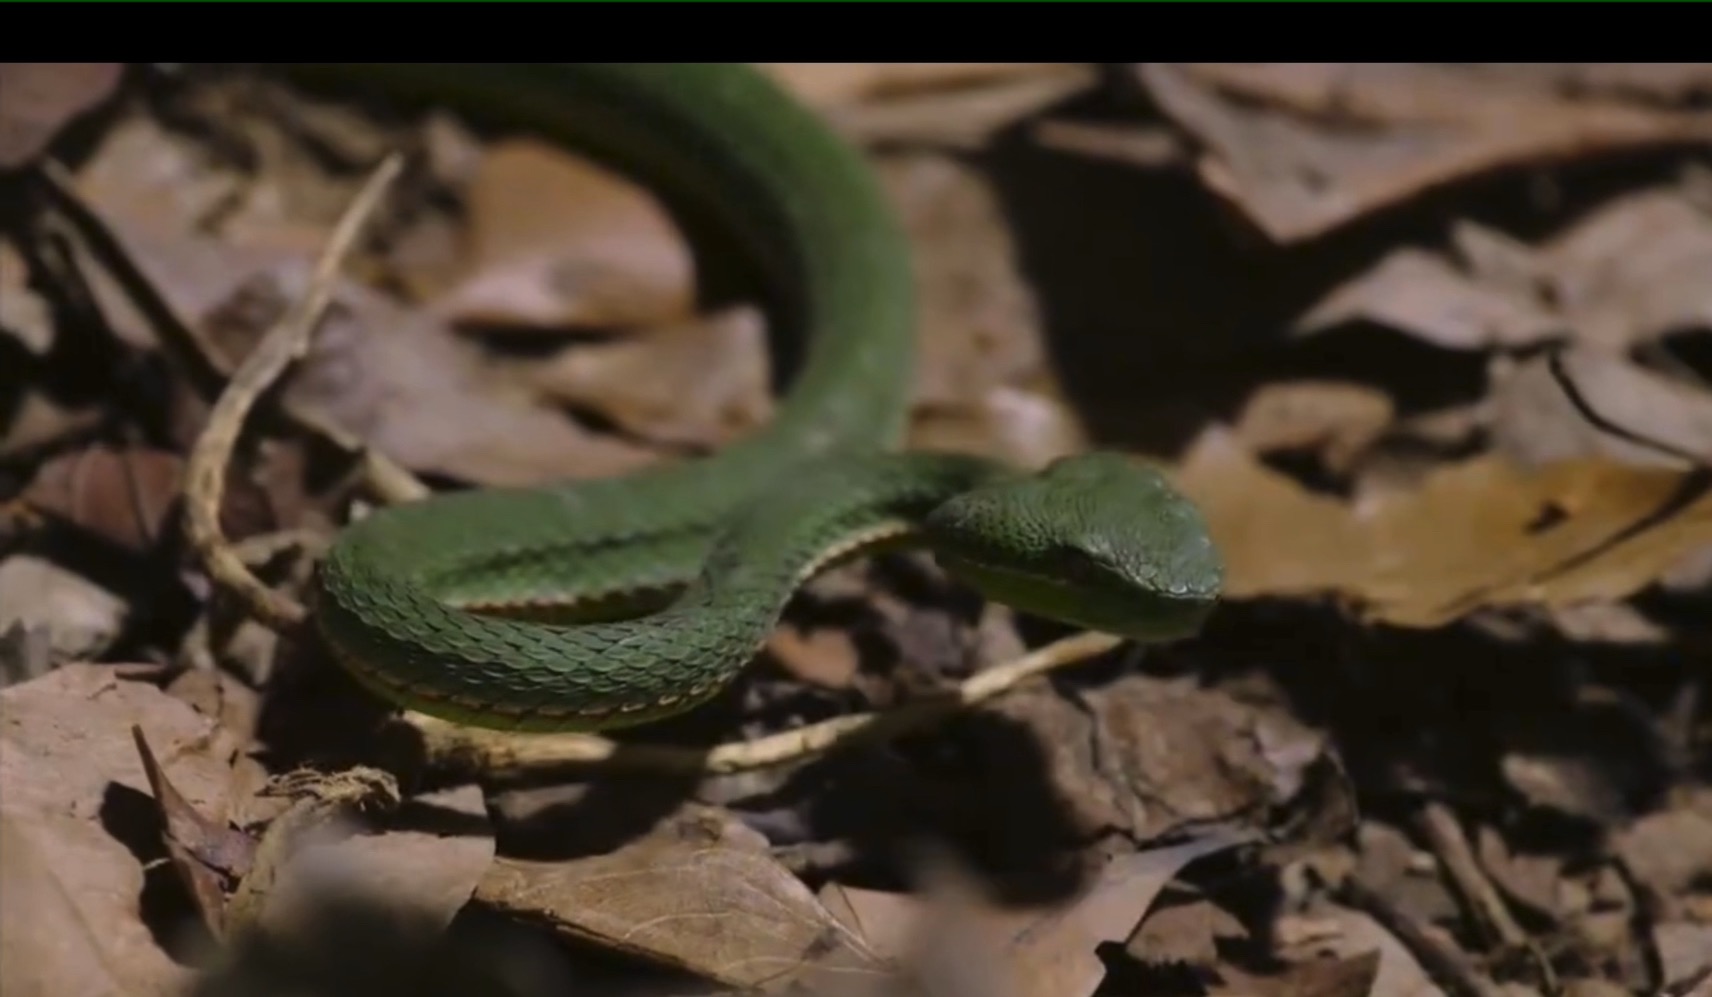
413, 600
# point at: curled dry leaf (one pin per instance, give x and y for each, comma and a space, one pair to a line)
205, 852
557, 241
75, 816
699, 894
1483, 533
38, 99
1304, 148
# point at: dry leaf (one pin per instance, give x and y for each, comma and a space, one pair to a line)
24, 315
427, 858
127, 497
557, 241
1304, 148
1338, 419
1023, 427
1671, 850
979, 326
700, 895
1527, 879
81, 618
1147, 758
1056, 955
1685, 950
827, 657
964, 119
955, 942
1626, 274
1148, 146
205, 853
1427, 296
1479, 534
699, 384
1350, 934
38, 99
144, 178
1534, 420
414, 391
73, 807
833, 84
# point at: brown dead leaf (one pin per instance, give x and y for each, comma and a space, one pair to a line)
1328, 977
427, 858
1146, 758
1685, 950
1535, 422
834, 84
1670, 850
1056, 954
38, 99
70, 787
1147, 146
1530, 880
413, 390
1348, 934
1479, 534
1303, 148
1338, 419
1184, 934
25, 316
557, 241
699, 384
1628, 273
1024, 427
1427, 296
953, 941
221, 695
38, 421
964, 119
979, 325
127, 496
699, 894
144, 178
827, 657
80, 617
205, 853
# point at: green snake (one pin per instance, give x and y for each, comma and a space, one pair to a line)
421, 602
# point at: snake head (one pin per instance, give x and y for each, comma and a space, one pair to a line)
1095, 540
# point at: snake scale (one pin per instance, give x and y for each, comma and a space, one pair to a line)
421, 602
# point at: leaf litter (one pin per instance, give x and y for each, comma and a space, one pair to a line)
1484, 444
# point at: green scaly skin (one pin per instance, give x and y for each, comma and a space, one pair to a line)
1095, 540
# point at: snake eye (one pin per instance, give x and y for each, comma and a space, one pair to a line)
1077, 565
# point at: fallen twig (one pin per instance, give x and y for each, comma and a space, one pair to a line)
450, 748
285, 343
